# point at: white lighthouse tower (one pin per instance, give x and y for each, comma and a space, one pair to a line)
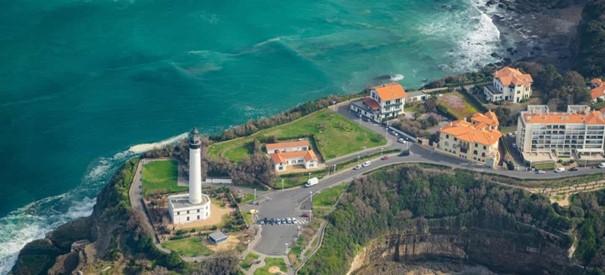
195, 205
195, 168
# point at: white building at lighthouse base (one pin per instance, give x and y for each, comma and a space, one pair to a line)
182, 211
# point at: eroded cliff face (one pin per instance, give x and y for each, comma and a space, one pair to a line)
103, 235
419, 247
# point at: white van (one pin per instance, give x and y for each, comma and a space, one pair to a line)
311, 182
560, 170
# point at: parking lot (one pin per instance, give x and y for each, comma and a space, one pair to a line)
283, 221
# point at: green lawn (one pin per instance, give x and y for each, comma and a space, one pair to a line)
190, 247
333, 134
248, 197
269, 262
328, 197
248, 260
457, 105
161, 177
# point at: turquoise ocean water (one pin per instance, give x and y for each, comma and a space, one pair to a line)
82, 81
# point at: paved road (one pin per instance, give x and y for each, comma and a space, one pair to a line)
294, 202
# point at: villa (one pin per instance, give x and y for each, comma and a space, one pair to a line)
475, 140
546, 136
385, 102
509, 84
292, 153
598, 90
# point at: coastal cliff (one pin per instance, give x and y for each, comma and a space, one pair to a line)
504, 251
108, 234
404, 219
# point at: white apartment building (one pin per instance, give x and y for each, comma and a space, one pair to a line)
386, 101
544, 135
509, 84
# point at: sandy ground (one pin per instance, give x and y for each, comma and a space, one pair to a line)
217, 214
228, 245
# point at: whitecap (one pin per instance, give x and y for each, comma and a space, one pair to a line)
36, 219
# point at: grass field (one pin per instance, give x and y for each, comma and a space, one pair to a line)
161, 177
333, 134
271, 262
190, 247
457, 105
328, 197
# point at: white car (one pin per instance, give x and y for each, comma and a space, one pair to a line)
602, 165
366, 164
560, 170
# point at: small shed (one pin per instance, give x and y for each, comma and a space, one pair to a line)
217, 237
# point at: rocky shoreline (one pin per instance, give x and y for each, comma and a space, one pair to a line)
545, 35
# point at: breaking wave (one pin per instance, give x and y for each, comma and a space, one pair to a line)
34, 220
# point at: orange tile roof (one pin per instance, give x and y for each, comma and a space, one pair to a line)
271, 147
284, 156
466, 131
390, 91
598, 92
597, 82
508, 75
371, 103
310, 155
489, 119
593, 117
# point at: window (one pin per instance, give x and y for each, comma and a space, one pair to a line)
198, 211
178, 213
187, 218
187, 211
198, 217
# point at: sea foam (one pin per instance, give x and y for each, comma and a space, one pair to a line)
36, 219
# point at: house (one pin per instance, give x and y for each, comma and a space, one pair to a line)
598, 90
476, 140
217, 237
543, 135
292, 153
509, 84
385, 102
417, 96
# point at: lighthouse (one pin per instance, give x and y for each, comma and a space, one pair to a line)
192, 206
195, 169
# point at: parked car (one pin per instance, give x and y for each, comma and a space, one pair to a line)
560, 170
541, 172
357, 167
366, 164
573, 169
384, 158
401, 140
602, 165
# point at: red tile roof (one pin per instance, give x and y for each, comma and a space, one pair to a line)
371, 103
597, 92
390, 91
508, 75
482, 129
285, 156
